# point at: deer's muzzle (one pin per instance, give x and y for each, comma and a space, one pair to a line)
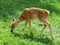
12, 28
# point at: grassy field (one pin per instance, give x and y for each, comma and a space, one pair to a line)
33, 36
19, 37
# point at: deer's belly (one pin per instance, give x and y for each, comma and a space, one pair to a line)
34, 16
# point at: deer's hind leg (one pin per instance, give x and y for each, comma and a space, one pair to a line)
46, 24
49, 26
43, 28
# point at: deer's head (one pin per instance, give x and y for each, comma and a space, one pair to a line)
13, 25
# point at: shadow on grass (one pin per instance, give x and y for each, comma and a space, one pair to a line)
17, 34
44, 40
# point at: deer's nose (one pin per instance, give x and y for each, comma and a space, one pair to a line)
12, 28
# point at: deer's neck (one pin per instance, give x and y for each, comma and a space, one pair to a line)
17, 20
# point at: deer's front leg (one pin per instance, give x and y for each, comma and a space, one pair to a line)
30, 24
26, 24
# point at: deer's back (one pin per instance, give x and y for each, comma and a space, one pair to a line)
35, 13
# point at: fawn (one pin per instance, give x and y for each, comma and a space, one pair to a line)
33, 13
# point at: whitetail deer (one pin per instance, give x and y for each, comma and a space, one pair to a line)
30, 13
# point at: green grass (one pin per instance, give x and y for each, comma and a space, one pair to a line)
10, 9
19, 37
